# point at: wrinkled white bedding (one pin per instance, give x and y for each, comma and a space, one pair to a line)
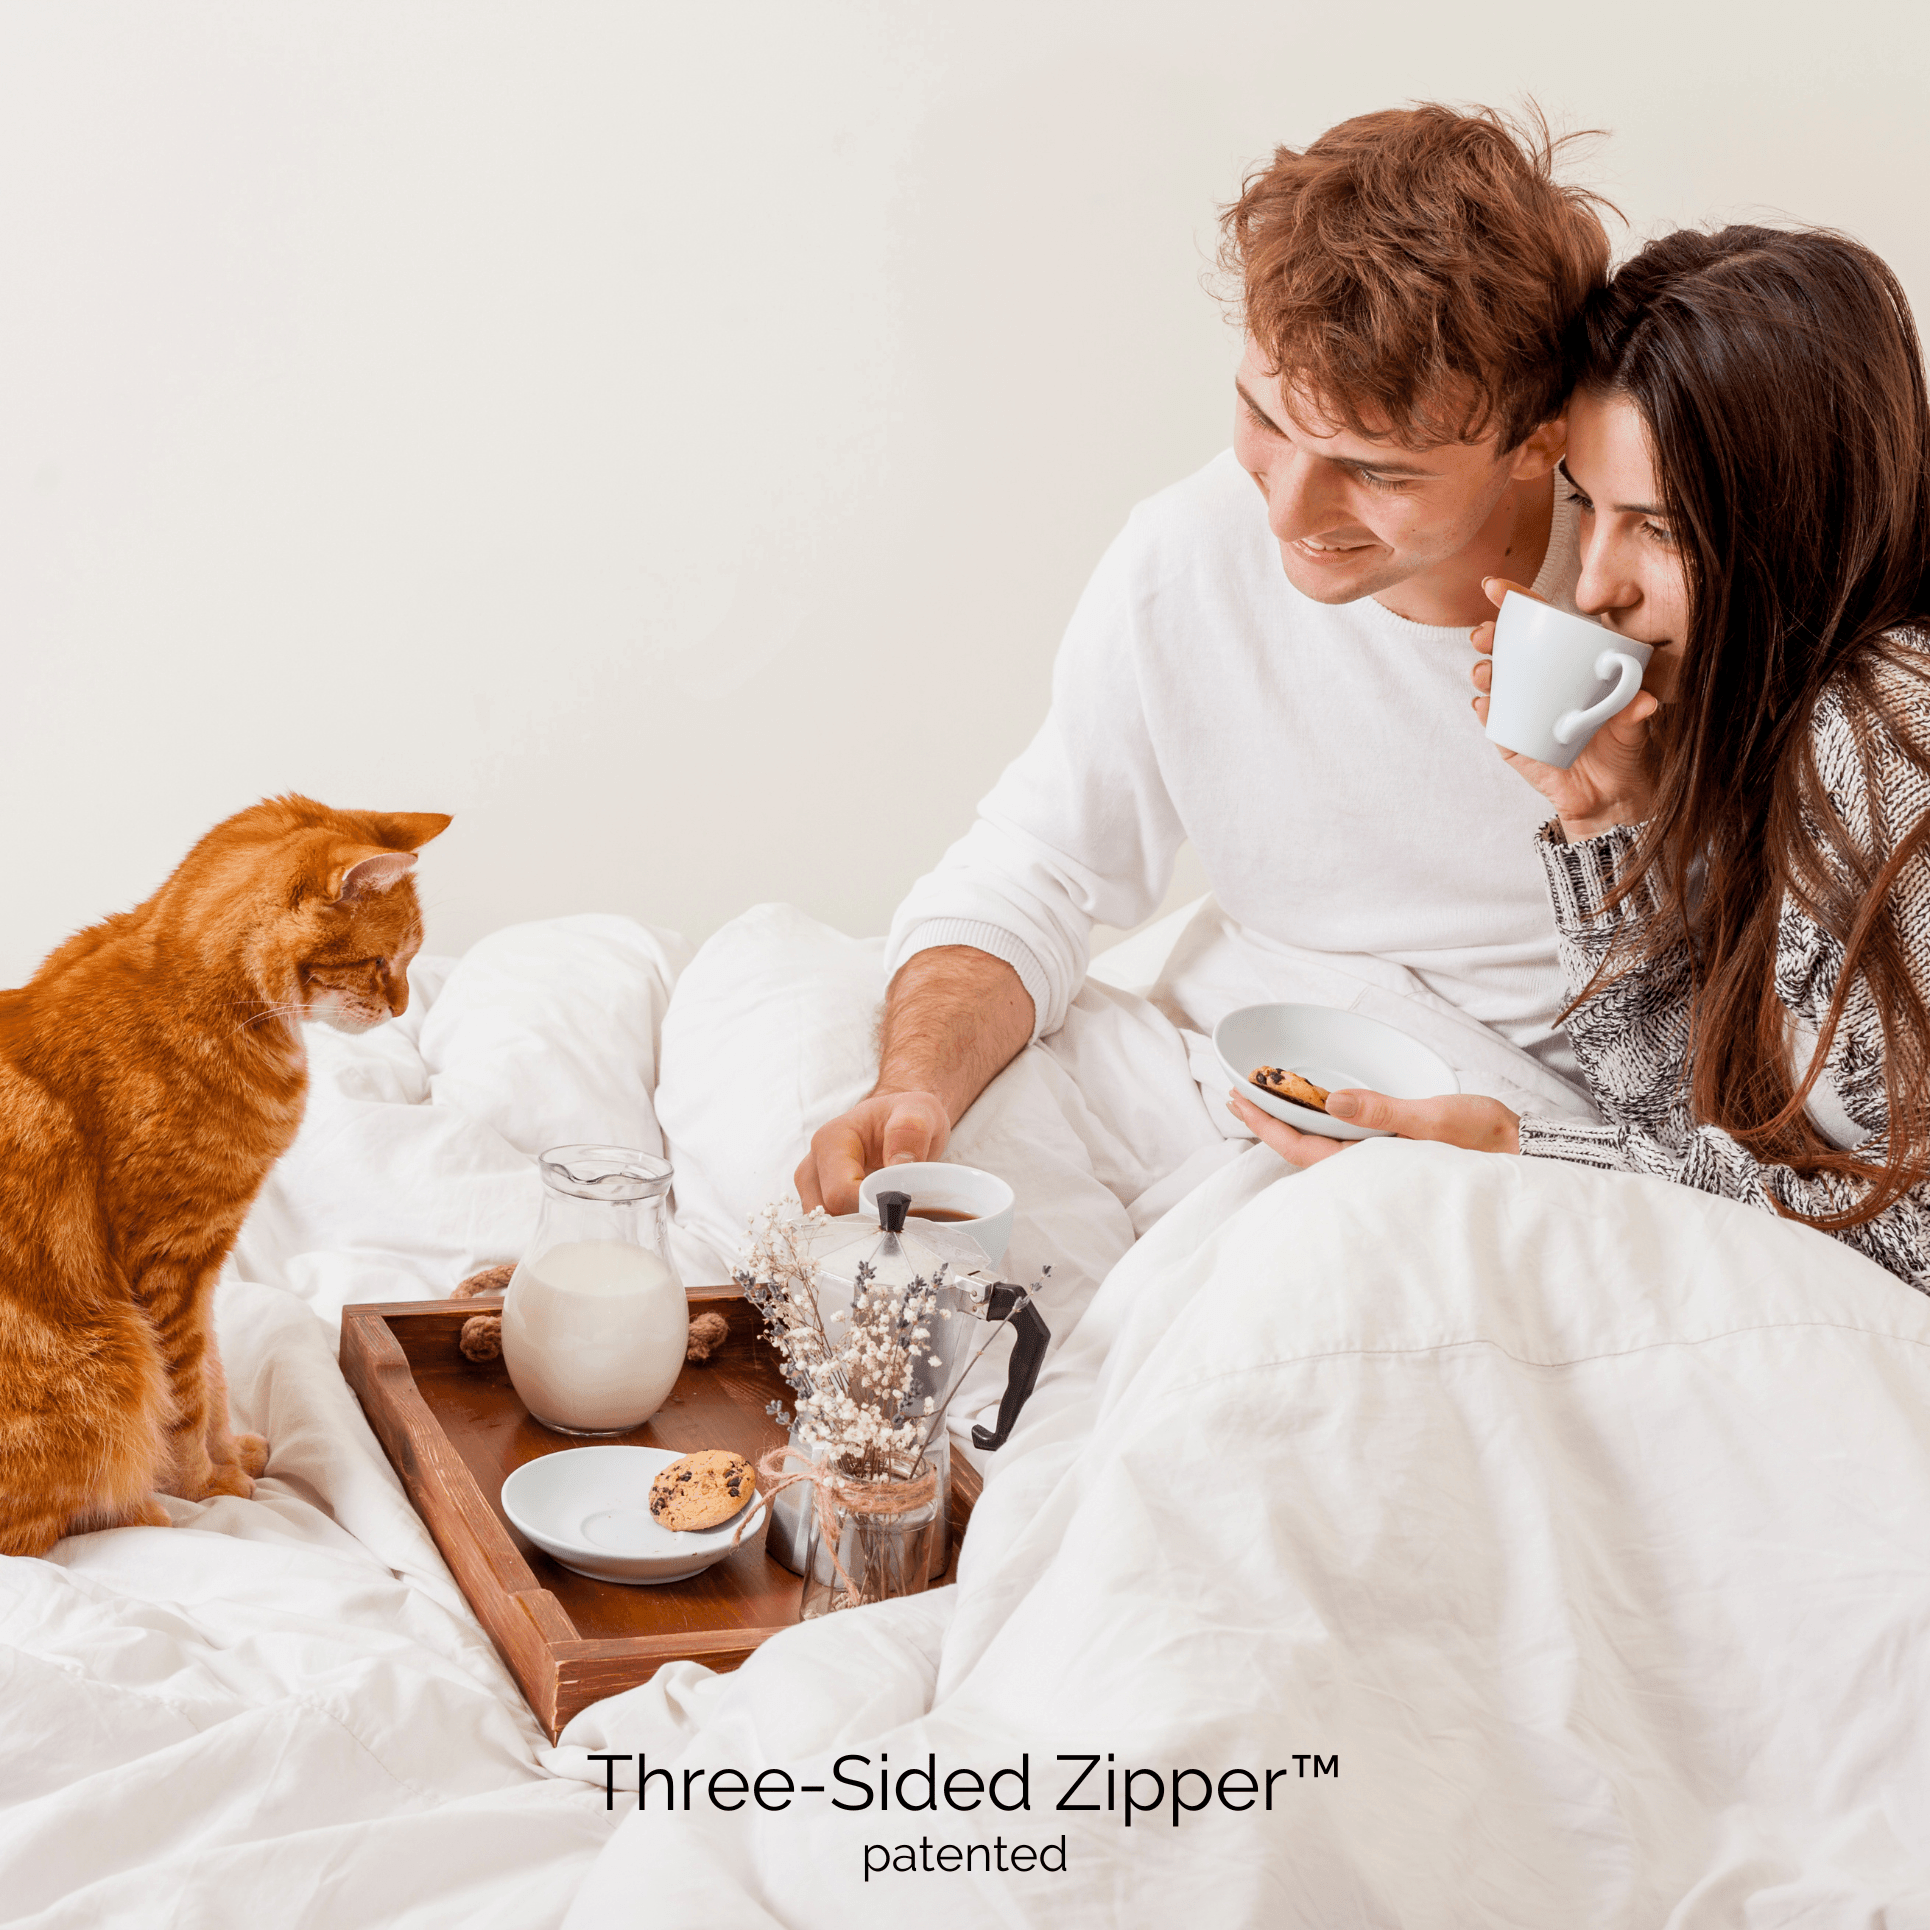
1586, 1521
277, 1712
280, 1711
1583, 1523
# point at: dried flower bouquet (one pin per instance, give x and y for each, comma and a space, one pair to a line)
855, 1380
871, 1396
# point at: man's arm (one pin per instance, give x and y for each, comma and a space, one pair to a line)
990, 948
954, 1018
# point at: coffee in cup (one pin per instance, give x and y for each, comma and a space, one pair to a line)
978, 1203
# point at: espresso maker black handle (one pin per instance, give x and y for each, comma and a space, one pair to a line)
1030, 1338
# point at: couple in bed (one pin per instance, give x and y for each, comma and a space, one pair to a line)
1710, 963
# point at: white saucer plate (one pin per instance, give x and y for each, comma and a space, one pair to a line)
590, 1508
1331, 1048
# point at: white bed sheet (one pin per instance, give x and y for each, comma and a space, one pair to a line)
280, 1711
1595, 1539
1583, 1521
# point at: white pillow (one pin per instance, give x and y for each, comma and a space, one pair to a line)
771, 1033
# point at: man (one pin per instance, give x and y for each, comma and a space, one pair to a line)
1272, 661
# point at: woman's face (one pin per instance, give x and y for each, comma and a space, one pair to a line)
1631, 568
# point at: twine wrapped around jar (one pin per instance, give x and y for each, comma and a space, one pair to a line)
836, 1494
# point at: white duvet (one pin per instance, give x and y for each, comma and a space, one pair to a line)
1583, 1525
1579, 1523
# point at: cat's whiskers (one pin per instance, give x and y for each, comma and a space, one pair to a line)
295, 1011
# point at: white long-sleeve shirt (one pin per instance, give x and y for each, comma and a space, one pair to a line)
1323, 760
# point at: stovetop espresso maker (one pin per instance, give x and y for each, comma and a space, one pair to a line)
970, 1300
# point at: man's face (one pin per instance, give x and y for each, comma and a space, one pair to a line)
1356, 515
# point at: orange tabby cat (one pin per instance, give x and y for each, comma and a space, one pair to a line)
151, 1072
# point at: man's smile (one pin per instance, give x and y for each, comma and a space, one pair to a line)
1316, 546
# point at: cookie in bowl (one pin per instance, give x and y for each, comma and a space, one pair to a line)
702, 1490
1289, 1085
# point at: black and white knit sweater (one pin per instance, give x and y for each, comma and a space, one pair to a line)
1631, 1037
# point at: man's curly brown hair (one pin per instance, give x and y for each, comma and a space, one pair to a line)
1415, 273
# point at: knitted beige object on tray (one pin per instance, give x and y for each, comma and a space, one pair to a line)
707, 1334
482, 1337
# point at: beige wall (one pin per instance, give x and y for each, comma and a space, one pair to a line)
671, 438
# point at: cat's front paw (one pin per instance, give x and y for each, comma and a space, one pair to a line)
252, 1452
226, 1480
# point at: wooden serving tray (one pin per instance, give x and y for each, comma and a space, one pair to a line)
455, 1430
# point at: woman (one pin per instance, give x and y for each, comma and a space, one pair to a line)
1739, 874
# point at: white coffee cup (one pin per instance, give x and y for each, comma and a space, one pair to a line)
983, 1200
1558, 679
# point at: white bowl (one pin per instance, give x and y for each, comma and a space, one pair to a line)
985, 1198
1332, 1049
590, 1508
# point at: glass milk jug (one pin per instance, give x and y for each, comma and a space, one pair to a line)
595, 1323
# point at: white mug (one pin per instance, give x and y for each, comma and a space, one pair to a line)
983, 1201
1557, 679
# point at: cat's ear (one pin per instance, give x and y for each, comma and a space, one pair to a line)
362, 872
409, 830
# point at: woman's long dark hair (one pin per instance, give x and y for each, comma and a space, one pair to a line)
1781, 381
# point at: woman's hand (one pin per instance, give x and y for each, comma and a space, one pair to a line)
1454, 1119
1613, 780
1297, 1149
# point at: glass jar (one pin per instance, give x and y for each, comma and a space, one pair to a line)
885, 1535
595, 1323
786, 1541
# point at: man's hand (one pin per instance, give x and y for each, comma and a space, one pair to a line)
953, 1017
887, 1129
1454, 1119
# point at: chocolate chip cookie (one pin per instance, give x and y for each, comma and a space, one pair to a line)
1289, 1085
702, 1490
